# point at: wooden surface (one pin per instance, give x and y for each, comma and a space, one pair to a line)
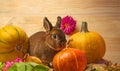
103, 16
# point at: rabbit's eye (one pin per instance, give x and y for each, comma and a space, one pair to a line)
54, 36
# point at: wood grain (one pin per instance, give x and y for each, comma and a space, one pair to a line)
103, 16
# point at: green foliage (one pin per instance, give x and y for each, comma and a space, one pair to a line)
28, 66
1, 65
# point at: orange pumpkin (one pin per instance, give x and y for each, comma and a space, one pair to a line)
91, 43
69, 59
13, 43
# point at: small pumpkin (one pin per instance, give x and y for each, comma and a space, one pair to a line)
69, 59
13, 43
28, 58
91, 43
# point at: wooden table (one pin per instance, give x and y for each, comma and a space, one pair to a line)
103, 17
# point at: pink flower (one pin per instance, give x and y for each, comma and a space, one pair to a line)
18, 60
68, 25
8, 64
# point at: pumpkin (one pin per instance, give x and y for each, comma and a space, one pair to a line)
28, 58
91, 43
13, 43
69, 59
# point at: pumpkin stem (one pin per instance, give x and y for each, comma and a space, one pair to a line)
68, 43
84, 27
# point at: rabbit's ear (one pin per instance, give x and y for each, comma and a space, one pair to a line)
58, 23
47, 25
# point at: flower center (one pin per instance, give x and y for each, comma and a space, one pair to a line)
66, 25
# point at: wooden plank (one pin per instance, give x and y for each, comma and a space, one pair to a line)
62, 7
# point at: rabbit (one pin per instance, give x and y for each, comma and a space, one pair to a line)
45, 44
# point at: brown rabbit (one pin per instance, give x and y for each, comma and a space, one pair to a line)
46, 44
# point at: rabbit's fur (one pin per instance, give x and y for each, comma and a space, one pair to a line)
46, 44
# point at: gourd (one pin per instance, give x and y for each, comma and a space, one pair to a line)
69, 59
28, 58
13, 43
90, 43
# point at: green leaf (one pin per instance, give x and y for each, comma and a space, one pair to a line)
33, 64
20, 66
17, 67
40, 68
13, 68
1, 65
28, 67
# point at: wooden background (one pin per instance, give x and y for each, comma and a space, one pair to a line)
103, 16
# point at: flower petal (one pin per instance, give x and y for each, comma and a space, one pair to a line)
71, 25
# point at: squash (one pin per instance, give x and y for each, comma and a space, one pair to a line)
69, 59
91, 43
28, 58
13, 43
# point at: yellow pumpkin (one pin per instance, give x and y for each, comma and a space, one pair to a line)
13, 43
28, 58
91, 43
